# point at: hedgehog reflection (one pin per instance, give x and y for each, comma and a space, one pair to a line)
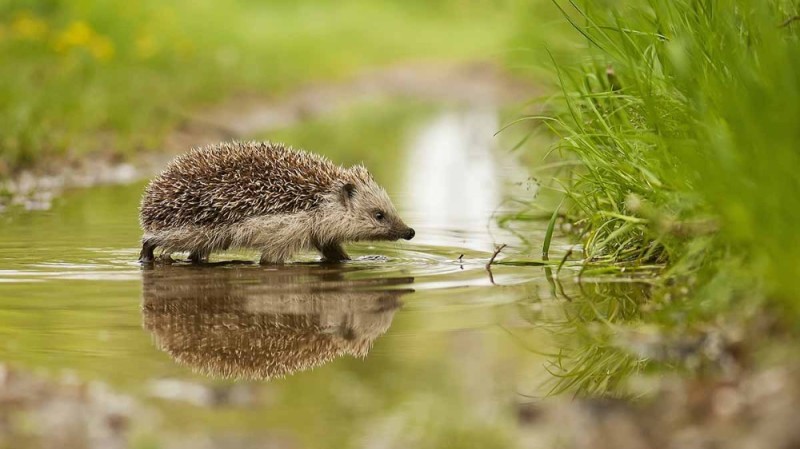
259, 324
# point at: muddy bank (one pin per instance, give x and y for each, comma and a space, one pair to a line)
754, 410
66, 413
246, 114
751, 411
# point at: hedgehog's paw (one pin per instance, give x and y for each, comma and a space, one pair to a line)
333, 253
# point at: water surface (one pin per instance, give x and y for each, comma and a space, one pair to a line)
412, 344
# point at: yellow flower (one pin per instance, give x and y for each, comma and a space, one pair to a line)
77, 34
101, 48
27, 26
146, 46
80, 35
184, 47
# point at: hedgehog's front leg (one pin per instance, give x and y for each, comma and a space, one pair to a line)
333, 252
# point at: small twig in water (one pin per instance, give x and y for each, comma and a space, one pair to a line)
564, 260
496, 252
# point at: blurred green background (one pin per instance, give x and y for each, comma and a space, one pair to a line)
82, 77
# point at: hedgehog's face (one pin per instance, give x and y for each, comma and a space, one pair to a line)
371, 214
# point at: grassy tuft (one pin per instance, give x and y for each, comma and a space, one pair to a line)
681, 120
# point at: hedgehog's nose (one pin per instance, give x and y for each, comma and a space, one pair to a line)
409, 234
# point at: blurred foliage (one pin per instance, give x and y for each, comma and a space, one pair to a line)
88, 76
359, 136
678, 140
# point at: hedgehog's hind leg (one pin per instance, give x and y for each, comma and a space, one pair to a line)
146, 254
199, 255
277, 254
333, 252
271, 258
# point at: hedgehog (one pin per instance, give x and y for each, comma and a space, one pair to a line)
263, 196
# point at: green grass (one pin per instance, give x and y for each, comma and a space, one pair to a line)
680, 122
676, 144
87, 76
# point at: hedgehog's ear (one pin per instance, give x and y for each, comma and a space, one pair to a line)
347, 193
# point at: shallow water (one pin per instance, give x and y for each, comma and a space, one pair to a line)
410, 344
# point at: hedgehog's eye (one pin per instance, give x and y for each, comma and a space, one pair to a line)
379, 215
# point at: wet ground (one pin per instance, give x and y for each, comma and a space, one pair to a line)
412, 344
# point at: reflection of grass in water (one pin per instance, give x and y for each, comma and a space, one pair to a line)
607, 329
597, 369
85, 76
588, 359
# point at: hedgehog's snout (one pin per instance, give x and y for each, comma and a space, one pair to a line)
409, 234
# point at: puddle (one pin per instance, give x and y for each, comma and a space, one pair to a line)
410, 344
